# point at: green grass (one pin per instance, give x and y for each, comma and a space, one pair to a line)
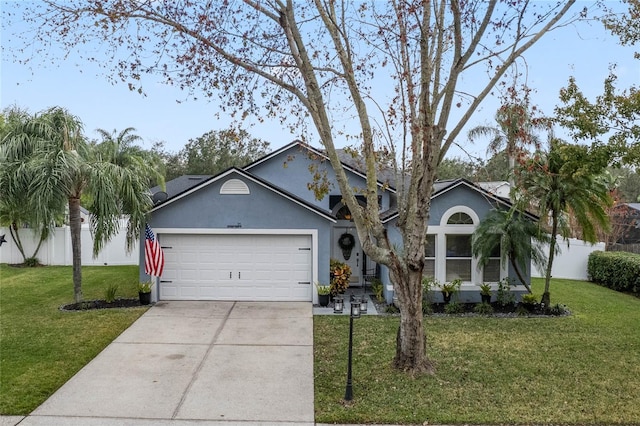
581, 369
41, 347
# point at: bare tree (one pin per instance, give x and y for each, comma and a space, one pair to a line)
396, 69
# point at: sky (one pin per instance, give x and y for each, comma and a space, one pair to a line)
585, 52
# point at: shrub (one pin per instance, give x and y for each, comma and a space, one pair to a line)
110, 293
392, 309
529, 299
340, 275
504, 295
616, 270
483, 309
377, 288
453, 308
31, 262
427, 309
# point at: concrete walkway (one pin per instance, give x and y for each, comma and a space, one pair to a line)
196, 363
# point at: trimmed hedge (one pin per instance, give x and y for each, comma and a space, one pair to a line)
616, 270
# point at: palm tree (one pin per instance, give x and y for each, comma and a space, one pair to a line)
567, 180
63, 167
514, 132
17, 209
513, 234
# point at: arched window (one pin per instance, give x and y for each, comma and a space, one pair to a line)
459, 223
344, 213
460, 218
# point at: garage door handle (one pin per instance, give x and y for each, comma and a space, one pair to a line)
304, 248
229, 274
304, 282
238, 275
165, 281
166, 247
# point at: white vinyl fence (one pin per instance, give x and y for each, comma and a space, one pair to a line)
571, 262
56, 250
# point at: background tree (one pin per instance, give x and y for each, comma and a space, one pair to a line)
60, 166
627, 183
171, 163
515, 130
317, 61
496, 168
453, 168
567, 181
612, 119
218, 150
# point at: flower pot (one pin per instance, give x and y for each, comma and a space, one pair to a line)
145, 298
486, 298
446, 297
323, 299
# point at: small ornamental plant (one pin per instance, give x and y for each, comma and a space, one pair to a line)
340, 275
145, 287
323, 289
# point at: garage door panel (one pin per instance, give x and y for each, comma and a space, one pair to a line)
236, 267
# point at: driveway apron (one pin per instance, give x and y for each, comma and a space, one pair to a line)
185, 362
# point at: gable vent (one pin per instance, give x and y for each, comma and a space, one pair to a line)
234, 186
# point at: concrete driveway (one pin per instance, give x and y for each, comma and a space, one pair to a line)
198, 363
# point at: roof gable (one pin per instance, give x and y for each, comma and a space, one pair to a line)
443, 187
350, 166
235, 171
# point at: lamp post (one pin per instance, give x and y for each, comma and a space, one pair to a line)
355, 313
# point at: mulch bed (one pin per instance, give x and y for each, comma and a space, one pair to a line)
102, 304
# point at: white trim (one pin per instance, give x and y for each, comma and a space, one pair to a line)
460, 209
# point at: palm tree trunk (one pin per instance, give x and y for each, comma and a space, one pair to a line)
546, 296
519, 273
16, 240
75, 226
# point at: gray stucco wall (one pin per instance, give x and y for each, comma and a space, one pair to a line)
296, 175
261, 209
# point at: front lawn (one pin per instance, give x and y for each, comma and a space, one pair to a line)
580, 369
41, 347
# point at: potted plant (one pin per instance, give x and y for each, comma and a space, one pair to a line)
449, 289
340, 274
323, 294
144, 292
485, 292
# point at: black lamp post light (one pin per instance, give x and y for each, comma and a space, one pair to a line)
355, 313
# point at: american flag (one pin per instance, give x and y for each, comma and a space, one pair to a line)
153, 255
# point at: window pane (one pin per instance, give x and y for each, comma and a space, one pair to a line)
429, 268
460, 219
459, 269
492, 271
430, 246
458, 245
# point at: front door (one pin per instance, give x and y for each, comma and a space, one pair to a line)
346, 248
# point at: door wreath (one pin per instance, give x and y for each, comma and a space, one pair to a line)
346, 243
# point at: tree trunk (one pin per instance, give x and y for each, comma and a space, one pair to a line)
546, 296
411, 341
75, 226
16, 240
519, 273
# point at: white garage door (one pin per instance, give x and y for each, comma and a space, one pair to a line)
236, 267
